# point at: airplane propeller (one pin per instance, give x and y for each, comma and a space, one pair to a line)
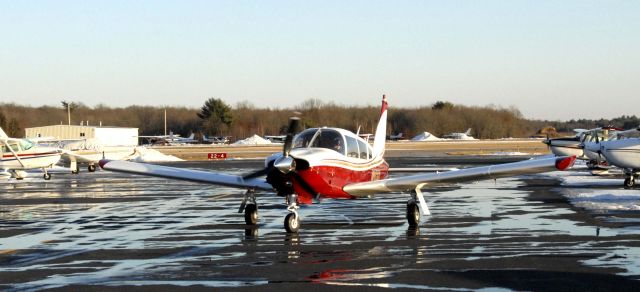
284, 164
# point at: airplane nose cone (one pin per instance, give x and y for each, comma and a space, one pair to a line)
285, 164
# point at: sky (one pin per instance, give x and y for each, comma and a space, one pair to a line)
555, 60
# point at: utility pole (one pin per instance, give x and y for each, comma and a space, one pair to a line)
165, 121
69, 113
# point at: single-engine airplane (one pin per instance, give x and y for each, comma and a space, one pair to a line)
623, 153
18, 155
334, 163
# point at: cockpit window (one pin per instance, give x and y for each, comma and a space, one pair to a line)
329, 139
303, 139
321, 138
26, 144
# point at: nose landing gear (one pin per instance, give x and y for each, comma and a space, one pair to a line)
292, 220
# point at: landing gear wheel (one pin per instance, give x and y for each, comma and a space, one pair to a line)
251, 214
413, 213
291, 223
91, 168
47, 176
629, 182
75, 171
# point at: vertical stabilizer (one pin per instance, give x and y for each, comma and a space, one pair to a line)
468, 132
3, 134
381, 130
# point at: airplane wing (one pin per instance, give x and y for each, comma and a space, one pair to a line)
185, 174
407, 183
421, 169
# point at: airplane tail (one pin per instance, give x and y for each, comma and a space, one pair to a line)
381, 130
3, 134
468, 132
193, 135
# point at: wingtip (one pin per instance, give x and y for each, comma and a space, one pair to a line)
565, 162
102, 162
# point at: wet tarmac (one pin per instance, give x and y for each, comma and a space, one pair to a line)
111, 231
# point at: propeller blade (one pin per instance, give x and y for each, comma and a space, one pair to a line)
291, 131
258, 173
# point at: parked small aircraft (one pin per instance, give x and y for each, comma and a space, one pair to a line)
216, 139
276, 138
18, 155
459, 136
334, 163
622, 152
170, 139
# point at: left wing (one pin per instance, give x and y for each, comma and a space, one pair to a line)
412, 182
185, 174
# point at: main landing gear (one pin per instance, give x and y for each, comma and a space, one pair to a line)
46, 176
630, 178
250, 208
413, 207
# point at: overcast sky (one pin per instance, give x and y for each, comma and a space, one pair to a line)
550, 59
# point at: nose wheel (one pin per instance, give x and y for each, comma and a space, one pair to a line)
292, 220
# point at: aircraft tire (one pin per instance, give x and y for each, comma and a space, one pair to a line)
251, 214
629, 182
47, 176
75, 171
291, 223
91, 168
413, 213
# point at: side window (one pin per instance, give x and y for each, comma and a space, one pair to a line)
15, 146
363, 149
352, 147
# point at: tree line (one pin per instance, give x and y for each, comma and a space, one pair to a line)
243, 119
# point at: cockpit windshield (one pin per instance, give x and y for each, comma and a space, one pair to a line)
26, 144
321, 138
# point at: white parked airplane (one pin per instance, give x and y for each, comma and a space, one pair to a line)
624, 153
18, 155
459, 136
337, 164
170, 139
216, 139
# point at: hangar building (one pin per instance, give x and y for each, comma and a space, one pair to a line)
108, 136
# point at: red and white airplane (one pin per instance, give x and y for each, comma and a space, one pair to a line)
335, 163
18, 155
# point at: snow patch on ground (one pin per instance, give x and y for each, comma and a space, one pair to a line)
425, 136
253, 140
598, 194
143, 154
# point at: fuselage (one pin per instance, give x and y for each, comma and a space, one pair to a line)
28, 155
623, 153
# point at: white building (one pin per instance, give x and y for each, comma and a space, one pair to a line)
107, 136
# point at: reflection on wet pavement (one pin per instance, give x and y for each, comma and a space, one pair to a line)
116, 230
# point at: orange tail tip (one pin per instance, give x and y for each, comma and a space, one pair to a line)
384, 104
565, 163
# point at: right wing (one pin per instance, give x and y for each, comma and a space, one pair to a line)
185, 174
407, 183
